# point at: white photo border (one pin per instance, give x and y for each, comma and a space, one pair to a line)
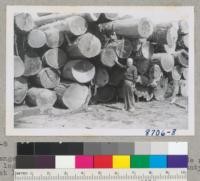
187, 11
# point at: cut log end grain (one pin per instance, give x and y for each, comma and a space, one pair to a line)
184, 73
105, 94
142, 65
77, 25
36, 38
144, 49
172, 36
101, 77
183, 27
176, 73
85, 46
124, 48
74, 96
81, 71
19, 67
169, 49
55, 58
165, 60
145, 28
184, 88
54, 38
24, 22
47, 78
41, 97
186, 40
108, 57
160, 91
20, 89
32, 63
155, 72
181, 57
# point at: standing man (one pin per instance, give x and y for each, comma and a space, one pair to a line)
130, 78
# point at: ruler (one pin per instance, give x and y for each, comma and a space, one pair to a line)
100, 174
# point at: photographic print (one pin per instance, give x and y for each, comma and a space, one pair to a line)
100, 71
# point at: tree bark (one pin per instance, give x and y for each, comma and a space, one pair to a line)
43, 20
73, 26
134, 28
164, 34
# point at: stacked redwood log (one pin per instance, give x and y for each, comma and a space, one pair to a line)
59, 57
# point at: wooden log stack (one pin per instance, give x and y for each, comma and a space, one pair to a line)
64, 60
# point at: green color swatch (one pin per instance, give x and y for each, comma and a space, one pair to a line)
140, 161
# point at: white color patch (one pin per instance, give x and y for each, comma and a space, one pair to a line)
65, 161
177, 148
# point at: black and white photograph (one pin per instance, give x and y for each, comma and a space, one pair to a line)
97, 71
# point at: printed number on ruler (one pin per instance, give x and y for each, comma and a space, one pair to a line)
100, 174
160, 132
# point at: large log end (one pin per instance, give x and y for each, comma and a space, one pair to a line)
55, 58
108, 57
145, 27
19, 67
20, 89
24, 22
36, 38
41, 97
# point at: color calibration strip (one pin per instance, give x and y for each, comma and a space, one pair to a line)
92, 148
102, 161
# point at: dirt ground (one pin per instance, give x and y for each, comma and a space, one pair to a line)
154, 114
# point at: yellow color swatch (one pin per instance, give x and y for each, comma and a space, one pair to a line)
121, 161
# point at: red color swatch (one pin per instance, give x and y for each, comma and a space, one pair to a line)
103, 161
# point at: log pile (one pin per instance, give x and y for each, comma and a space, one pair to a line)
64, 60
